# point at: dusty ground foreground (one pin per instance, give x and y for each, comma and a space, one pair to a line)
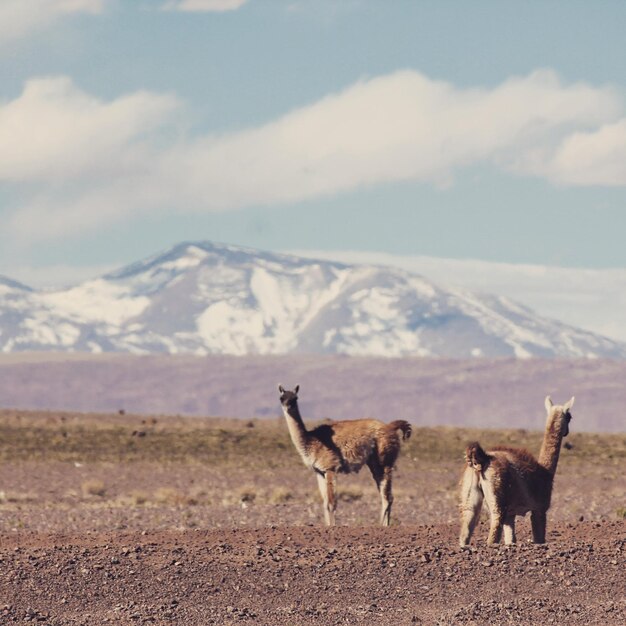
125, 519
313, 575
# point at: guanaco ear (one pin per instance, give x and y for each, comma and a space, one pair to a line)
297, 389
569, 404
281, 389
549, 404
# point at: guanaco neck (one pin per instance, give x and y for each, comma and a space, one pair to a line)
297, 430
550, 448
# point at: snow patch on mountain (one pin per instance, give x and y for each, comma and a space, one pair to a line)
205, 298
97, 301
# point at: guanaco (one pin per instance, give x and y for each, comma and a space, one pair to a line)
512, 482
344, 447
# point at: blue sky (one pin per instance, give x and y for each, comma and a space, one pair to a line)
486, 130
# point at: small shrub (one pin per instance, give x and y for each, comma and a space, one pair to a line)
349, 494
243, 495
93, 488
138, 498
17, 498
246, 494
280, 495
621, 512
171, 496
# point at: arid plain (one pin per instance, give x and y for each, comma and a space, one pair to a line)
139, 519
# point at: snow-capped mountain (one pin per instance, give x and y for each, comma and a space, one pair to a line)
205, 298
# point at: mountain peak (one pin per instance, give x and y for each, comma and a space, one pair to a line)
202, 297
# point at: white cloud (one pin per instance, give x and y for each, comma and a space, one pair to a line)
54, 132
590, 158
218, 6
19, 18
403, 126
92, 162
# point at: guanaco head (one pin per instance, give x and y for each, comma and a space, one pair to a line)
559, 416
476, 457
288, 399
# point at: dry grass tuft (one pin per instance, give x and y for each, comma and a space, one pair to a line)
280, 495
349, 494
138, 498
17, 498
93, 488
173, 497
243, 495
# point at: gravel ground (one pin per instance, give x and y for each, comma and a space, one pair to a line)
313, 575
